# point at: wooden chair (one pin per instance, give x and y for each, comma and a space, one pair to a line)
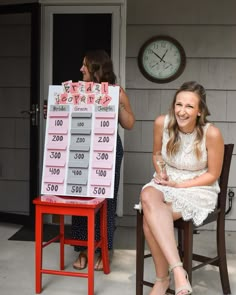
185, 237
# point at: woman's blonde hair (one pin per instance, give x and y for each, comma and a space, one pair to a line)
174, 141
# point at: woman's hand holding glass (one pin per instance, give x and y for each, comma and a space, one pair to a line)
161, 174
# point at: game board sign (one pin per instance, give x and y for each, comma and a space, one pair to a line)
80, 140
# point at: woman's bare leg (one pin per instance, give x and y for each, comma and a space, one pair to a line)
159, 233
160, 263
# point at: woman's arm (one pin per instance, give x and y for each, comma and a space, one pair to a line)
157, 140
126, 115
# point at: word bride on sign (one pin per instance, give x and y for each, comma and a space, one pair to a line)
80, 140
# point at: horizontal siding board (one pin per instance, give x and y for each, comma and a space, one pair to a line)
132, 138
138, 168
216, 74
140, 138
232, 214
15, 202
22, 134
11, 107
14, 133
16, 72
231, 105
16, 40
148, 104
13, 163
15, 19
228, 130
232, 175
217, 104
181, 12
198, 41
231, 138
7, 131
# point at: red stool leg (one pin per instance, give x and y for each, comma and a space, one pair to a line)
38, 250
91, 250
62, 242
103, 234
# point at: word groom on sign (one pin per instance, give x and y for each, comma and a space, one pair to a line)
80, 140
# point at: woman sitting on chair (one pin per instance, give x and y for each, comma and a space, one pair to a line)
187, 157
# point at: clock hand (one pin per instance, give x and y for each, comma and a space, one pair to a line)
164, 55
157, 55
166, 66
155, 64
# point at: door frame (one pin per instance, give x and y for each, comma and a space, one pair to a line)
118, 51
34, 9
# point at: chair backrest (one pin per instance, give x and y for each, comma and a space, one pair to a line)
223, 181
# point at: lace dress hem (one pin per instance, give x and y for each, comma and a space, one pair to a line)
190, 202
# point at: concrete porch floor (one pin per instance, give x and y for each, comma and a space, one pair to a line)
17, 267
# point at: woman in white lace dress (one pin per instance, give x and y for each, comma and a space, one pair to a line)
187, 157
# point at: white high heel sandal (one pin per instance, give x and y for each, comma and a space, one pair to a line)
186, 287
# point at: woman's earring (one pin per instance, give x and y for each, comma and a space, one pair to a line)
199, 114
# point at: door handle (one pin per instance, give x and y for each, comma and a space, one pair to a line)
33, 113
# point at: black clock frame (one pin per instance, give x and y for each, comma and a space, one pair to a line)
182, 55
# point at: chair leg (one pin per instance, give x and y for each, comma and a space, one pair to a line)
62, 243
188, 248
140, 241
38, 249
103, 237
221, 249
180, 243
91, 248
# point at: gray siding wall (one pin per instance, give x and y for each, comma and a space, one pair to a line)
14, 97
207, 31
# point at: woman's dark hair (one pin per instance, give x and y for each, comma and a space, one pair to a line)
100, 66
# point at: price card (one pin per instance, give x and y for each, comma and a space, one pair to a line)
80, 140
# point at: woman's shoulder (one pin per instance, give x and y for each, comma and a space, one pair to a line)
160, 120
212, 130
213, 133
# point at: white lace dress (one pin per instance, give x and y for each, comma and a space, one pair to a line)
194, 202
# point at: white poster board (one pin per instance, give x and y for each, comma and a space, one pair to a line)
80, 140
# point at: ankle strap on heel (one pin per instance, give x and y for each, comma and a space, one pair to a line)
163, 279
177, 264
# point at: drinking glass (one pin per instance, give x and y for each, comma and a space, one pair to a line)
161, 165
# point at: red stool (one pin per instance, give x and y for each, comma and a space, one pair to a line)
87, 207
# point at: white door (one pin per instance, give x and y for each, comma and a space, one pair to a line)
69, 31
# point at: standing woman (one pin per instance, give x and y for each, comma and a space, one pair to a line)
97, 67
187, 157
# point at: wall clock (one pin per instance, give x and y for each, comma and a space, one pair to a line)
161, 59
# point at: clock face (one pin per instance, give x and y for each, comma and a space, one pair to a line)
161, 59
